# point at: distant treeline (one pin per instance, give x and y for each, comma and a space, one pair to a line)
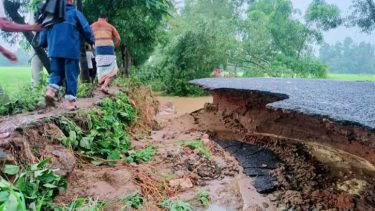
349, 57
23, 59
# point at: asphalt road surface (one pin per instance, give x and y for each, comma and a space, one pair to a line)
347, 102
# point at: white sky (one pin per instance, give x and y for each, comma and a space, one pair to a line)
340, 33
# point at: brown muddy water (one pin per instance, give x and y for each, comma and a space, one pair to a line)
172, 107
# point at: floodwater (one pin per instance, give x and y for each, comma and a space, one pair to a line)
172, 107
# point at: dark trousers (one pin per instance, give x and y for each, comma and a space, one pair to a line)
63, 69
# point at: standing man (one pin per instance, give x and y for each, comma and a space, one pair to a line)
63, 44
106, 63
6, 25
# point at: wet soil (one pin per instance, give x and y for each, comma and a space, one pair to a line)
343, 181
304, 177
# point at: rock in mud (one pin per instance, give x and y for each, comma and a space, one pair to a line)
256, 161
345, 202
62, 159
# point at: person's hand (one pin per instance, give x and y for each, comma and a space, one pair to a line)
93, 46
10, 56
37, 27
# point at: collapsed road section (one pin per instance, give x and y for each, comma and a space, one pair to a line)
339, 114
311, 140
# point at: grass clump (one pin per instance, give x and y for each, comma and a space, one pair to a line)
32, 189
85, 90
132, 200
139, 156
103, 131
197, 144
85, 204
203, 197
28, 99
176, 205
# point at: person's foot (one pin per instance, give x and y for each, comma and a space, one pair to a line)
105, 90
4, 135
50, 97
71, 105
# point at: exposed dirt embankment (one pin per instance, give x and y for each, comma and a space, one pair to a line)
324, 165
246, 111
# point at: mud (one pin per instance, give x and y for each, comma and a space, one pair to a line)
342, 181
302, 177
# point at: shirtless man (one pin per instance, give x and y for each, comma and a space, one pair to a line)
8, 26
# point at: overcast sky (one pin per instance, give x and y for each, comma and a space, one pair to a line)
340, 33
332, 36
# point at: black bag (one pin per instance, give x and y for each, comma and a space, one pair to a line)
51, 12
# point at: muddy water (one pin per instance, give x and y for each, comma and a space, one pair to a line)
172, 107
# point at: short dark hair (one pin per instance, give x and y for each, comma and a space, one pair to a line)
103, 15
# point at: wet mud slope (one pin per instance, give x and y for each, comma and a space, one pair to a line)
318, 158
177, 171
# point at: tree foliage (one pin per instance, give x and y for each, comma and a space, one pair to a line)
349, 57
138, 22
363, 14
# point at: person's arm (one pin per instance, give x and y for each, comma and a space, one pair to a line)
10, 26
87, 32
117, 37
8, 54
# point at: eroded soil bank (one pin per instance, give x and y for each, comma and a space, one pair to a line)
303, 181
323, 165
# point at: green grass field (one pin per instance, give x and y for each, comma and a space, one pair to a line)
13, 78
352, 77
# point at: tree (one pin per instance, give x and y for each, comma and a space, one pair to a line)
277, 44
349, 57
200, 39
363, 14
138, 23
12, 9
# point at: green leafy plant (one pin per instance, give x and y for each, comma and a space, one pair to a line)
203, 197
85, 90
197, 144
103, 130
34, 187
176, 205
39, 185
132, 200
85, 204
28, 99
138, 156
11, 198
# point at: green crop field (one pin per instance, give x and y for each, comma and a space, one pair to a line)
13, 78
352, 77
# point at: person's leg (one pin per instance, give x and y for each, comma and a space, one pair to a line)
71, 77
36, 69
54, 80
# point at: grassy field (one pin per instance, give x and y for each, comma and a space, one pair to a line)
352, 77
13, 78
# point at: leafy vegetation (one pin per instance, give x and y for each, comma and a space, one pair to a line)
85, 204
138, 156
176, 205
349, 57
203, 197
28, 99
85, 90
32, 189
132, 200
104, 133
197, 144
